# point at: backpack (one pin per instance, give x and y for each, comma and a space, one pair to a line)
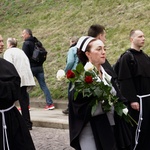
39, 52
132, 62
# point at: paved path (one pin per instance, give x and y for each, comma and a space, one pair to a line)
50, 138
50, 128
49, 118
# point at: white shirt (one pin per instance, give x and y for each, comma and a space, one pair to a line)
19, 59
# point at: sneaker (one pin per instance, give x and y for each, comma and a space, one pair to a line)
66, 111
49, 107
29, 107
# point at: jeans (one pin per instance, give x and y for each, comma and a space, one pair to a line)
39, 74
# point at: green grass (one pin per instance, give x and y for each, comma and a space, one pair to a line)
55, 21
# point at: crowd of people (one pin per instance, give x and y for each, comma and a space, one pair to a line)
14, 129
18, 70
128, 80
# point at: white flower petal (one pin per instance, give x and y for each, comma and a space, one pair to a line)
89, 66
60, 75
125, 111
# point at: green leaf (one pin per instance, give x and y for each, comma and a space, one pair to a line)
75, 95
98, 92
79, 68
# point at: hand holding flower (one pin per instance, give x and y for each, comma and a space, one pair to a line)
85, 80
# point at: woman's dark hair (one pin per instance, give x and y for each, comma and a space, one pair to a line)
81, 55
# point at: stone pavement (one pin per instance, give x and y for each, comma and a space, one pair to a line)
50, 138
49, 118
50, 127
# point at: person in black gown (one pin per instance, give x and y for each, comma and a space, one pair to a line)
133, 73
94, 131
14, 134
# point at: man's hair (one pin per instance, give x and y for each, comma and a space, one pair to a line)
95, 30
28, 31
131, 33
12, 41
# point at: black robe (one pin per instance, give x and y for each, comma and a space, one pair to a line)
80, 115
109, 69
134, 79
18, 134
105, 138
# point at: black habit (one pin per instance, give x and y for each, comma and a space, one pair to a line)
18, 134
106, 137
134, 79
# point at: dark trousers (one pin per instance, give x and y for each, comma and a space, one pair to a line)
69, 93
24, 103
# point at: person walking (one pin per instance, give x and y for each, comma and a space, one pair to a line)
36, 67
134, 81
98, 31
71, 63
19, 59
92, 131
14, 133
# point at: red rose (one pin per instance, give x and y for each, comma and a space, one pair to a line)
88, 79
70, 74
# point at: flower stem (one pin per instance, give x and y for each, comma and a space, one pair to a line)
132, 119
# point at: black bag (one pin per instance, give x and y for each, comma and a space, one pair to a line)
39, 53
132, 61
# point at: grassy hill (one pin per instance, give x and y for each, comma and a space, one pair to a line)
55, 21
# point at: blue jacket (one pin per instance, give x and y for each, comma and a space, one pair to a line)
72, 59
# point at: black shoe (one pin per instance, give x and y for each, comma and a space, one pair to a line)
66, 111
29, 128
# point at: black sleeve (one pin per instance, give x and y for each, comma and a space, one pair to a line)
128, 90
26, 48
10, 89
9, 81
125, 72
109, 69
119, 94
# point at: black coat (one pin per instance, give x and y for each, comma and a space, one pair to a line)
80, 115
18, 134
28, 48
134, 79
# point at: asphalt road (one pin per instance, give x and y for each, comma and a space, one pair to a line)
50, 139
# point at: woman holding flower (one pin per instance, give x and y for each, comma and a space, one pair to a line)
91, 110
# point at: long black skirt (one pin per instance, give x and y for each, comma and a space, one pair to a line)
18, 135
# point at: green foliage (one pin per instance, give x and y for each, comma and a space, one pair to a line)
86, 81
55, 21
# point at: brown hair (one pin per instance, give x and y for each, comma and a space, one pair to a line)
95, 30
81, 55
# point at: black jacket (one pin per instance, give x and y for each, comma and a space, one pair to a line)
28, 48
